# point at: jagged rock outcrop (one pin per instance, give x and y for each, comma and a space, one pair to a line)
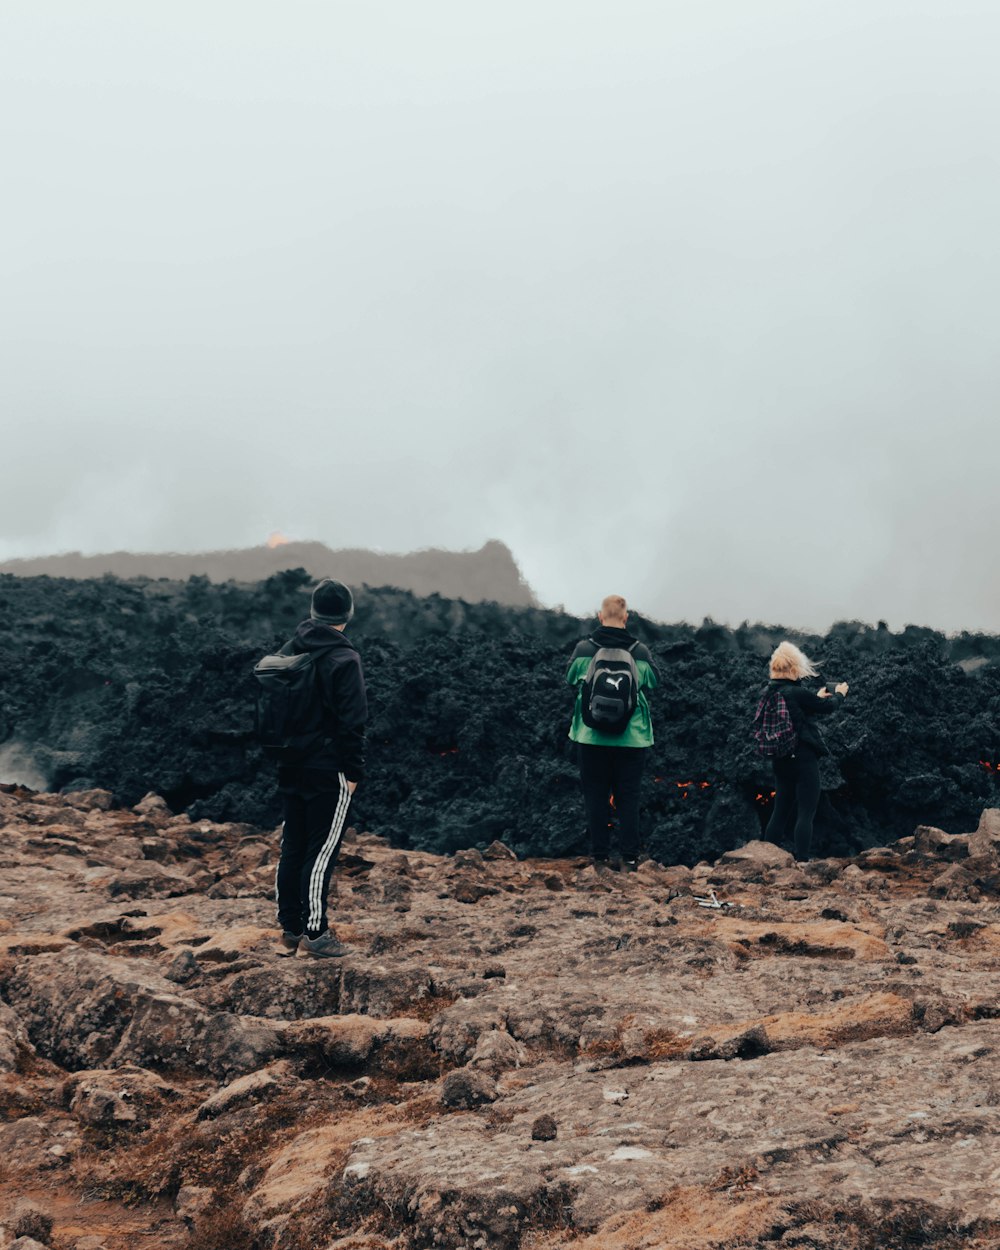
746, 1053
487, 574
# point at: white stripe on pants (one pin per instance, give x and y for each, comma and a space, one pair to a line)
326, 852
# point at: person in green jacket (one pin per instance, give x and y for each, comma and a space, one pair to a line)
611, 762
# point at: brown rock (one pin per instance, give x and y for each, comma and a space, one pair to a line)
122, 1098
932, 843
148, 880
38, 1144
28, 1219
466, 890
255, 1088
544, 1129
455, 1031
677, 877
967, 878
398, 863
467, 1088
742, 1044
85, 1009
193, 1201
499, 851
13, 1039
759, 855
986, 840
824, 938
90, 800
953, 883
935, 1015
351, 1040
496, 1051
469, 858
154, 808
159, 849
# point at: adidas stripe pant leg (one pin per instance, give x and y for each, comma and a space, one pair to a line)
325, 820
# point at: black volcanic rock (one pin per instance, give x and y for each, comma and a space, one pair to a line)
144, 686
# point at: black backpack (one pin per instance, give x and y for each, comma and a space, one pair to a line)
610, 689
289, 706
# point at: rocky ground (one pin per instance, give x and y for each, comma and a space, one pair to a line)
514, 1054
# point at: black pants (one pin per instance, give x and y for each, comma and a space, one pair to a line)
310, 841
796, 795
606, 773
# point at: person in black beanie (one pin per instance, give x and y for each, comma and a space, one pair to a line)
317, 790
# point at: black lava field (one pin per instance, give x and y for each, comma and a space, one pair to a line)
145, 685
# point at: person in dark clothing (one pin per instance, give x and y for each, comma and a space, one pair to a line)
317, 790
796, 776
611, 765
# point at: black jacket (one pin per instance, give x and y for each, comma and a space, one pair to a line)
803, 706
611, 636
345, 710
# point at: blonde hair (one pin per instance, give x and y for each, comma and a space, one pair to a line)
788, 661
614, 607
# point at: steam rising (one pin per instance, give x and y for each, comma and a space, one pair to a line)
18, 767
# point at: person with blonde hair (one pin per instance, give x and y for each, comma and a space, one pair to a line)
611, 670
796, 773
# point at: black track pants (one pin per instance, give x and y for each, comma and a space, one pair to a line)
310, 841
607, 772
796, 796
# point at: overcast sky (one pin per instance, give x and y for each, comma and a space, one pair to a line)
695, 302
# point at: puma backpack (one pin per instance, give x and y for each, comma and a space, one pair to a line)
610, 689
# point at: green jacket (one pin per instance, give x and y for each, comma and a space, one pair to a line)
639, 732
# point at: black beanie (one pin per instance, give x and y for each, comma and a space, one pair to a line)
332, 603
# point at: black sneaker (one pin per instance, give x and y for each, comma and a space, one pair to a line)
289, 943
324, 946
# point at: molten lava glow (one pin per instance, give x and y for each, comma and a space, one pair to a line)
763, 797
990, 767
686, 787
277, 539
